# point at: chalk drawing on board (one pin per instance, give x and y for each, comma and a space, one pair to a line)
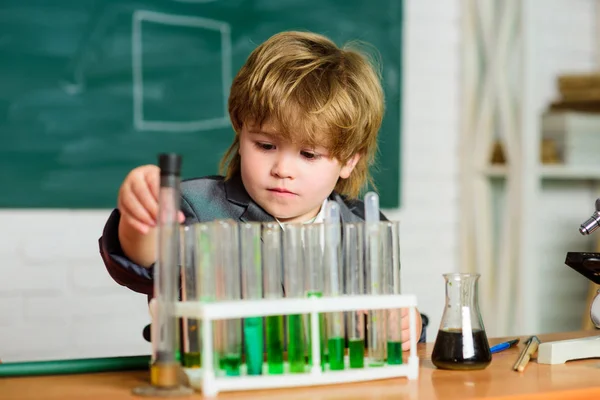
194, 1
141, 122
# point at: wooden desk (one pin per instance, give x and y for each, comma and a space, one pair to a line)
575, 380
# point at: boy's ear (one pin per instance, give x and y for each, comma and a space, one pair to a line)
349, 166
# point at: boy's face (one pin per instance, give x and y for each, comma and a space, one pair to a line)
287, 180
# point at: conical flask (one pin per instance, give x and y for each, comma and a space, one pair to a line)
461, 343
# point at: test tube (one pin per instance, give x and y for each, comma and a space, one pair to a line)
354, 261
333, 278
294, 287
190, 292
228, 272
375, 324
207, 256
390, 245
314, 276
166, 275
272, 271
252, 288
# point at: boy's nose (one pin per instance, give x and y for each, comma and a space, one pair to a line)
283, 167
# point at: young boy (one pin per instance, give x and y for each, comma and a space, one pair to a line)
306, 116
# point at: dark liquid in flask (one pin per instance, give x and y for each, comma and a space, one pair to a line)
452, 351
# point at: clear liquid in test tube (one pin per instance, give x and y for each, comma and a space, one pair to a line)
355, 272
252, 288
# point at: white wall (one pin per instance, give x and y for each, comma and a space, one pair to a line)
57, 300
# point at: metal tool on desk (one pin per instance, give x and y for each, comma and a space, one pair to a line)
531, 346
588, 265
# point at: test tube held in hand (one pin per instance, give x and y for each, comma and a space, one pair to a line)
252, 288
166, 275
272, 271
294, 287
390, 245
354, 262
376, 319
333, 278
228, 273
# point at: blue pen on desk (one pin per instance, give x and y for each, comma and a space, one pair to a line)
503, 346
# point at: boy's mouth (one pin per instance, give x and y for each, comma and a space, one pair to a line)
280, 191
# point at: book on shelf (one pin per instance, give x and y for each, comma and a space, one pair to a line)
576, 136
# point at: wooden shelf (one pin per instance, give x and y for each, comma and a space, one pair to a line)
552, 172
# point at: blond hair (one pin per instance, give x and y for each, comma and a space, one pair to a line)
317, 94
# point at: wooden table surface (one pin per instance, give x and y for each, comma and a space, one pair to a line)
574, 380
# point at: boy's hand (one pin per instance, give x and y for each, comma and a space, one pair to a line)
138, 198
405, 328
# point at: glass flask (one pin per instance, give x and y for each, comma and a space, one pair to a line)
461, 342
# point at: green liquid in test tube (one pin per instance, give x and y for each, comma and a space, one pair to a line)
313, 284
294, 287
275, 344
228, 286
376, 319
333, 280
272, 274
252, 288
355, 272
390, 245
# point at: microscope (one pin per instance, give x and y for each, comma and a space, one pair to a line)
588, 265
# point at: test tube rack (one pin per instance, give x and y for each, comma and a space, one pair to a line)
206, 380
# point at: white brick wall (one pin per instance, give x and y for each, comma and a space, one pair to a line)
57, 300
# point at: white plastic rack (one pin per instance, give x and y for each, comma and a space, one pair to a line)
206, 380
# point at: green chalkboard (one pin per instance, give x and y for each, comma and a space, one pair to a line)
91, 89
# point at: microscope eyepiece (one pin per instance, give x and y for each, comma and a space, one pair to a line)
592, 223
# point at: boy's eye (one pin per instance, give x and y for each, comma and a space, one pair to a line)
264, 146
309, 155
